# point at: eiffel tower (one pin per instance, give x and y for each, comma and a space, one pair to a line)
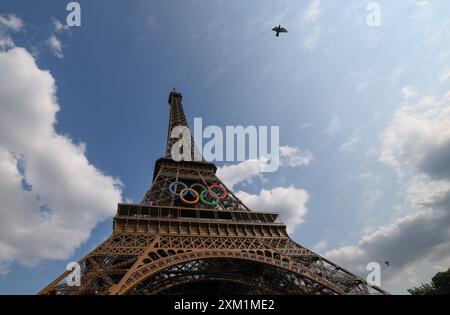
191, 235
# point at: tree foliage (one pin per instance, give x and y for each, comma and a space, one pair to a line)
440, 285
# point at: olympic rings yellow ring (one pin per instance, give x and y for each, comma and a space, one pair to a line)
189, 202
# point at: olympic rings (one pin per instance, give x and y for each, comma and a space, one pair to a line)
199, 194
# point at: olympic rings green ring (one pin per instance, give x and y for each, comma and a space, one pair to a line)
202, 198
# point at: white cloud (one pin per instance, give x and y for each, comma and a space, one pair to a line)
55, 45
352, 141
5, 43
289, 202
60, 27
11, 22
311, 14
305, 126
308, 25
409, 92
292, 156
248, 169
422, 3
51, 197
237, 173
8, 23
417, 242
419, 138
334, 126
403, 243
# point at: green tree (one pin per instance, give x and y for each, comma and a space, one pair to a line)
440, 285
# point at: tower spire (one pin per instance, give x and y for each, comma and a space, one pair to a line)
178, 118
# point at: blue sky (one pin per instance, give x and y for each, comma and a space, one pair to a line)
368, 103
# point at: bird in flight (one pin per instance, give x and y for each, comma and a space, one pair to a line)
279, 30
386, 263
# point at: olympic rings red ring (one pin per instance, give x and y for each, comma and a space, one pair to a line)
222, 196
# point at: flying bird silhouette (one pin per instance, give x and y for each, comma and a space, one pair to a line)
386, 263
278, 29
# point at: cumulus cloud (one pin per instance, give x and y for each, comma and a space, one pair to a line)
419, 139
243, 171
413, 238
289, 202
293, 156
55, 45
246, 170
416, 242
51, 196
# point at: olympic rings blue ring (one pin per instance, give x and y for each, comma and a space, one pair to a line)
174, 192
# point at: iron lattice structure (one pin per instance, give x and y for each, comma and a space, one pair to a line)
165, 246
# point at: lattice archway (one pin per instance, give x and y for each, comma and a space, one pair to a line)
305, 279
